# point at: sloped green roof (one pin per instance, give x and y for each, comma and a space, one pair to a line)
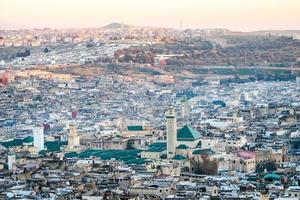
157, 147
187, 133
17, 142
135, 128
272, 176
54, 146
128, 156
203, 152
182, 146
28, 139
71, 155
179, 157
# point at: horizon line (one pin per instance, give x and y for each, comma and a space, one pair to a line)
141, 26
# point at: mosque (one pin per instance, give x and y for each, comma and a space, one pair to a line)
184, 142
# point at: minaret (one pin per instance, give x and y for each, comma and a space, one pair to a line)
38, 138
184, 108
11, 160
171, 132
73, 139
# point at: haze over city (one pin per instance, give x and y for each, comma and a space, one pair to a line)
150, 99
239, 15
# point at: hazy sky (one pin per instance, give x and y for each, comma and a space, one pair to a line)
233, 14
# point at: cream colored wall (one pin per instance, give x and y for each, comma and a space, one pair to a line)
150, 155
135, 133
277, 157
248, 166
191, 144
184, 152
208, 143
164, 191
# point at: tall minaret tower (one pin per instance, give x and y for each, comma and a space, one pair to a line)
74, 139
38, 138
171, 132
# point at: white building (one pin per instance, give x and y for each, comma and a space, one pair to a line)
293, 191
38, 138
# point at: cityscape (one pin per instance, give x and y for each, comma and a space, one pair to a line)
172, 108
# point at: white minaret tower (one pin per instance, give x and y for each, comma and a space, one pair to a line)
38, 138
11, 160
171, 132
184, 108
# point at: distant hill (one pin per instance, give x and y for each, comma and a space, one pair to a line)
115, 25
275, 32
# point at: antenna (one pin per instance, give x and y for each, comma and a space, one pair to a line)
180, 25
122, 25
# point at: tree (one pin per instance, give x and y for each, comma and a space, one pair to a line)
205, 165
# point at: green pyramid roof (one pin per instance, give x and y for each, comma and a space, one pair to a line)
187, 133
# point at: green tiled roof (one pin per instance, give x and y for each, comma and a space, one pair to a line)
71, 155
187, 133
128, 156
135, 128
203, 152
54, 146
17, 142
179, 157
28, 139
158, 147
272, 176
182, 146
